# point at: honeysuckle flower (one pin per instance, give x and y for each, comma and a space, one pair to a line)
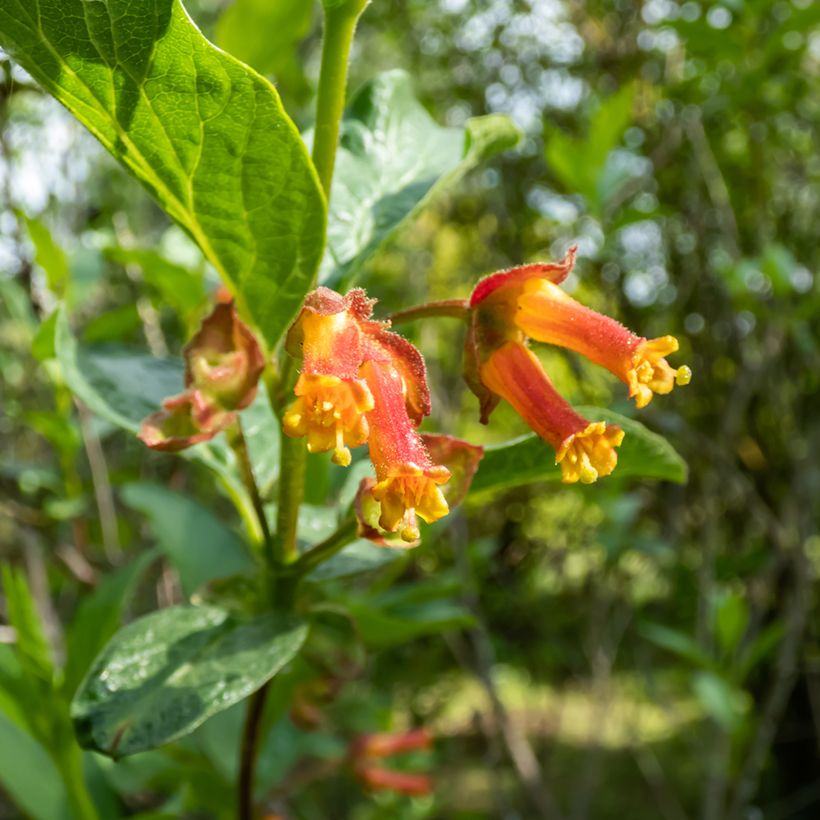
331, 397
223, 363
367, 748
362, 383
508, 308
584, 450
408, 483
528, 302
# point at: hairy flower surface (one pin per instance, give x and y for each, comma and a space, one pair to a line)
512, 306
362, 383
584, 450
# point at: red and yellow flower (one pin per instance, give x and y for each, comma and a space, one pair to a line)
512, 306
223, 363
361, 383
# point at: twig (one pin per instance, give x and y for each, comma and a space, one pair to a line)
249, 752
786, 670
102, 484
518, 748
453, 308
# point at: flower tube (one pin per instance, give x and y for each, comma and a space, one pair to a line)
584, 450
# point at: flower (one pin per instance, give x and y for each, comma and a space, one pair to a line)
584, 450
362, 383
407, 481
508, 308
366, 748
223, 363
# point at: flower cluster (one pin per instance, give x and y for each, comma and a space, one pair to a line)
510, 307
360, 383
223, 363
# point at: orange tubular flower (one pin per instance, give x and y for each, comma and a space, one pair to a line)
361, 383
331, 398
584, 450
529, 300
367, 748
407, 481
511, 306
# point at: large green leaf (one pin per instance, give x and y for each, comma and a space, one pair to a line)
392, 158
528, 459
165, 674
196, 542
203, 132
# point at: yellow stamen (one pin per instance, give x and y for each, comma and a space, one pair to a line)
330, 412
650, 373
409, 491
590, 454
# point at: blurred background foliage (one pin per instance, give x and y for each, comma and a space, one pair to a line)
629, 649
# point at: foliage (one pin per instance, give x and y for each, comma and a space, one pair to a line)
641, 647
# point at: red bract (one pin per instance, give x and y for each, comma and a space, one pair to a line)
223, 363
512, 306
361, 383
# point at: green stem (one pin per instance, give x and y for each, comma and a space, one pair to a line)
340, 25
328, 548
236, 439
292, 466
454, 308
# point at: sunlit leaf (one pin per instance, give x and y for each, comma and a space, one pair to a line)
393, 157
204, 133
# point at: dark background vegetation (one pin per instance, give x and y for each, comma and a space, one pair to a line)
643, 650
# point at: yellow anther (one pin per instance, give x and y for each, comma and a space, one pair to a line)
683, 376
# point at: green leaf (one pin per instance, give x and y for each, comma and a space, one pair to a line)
356, 558
386, 627
32, 647
120, 385
679, 643
205, 134
98, 617
113, 325
49, 256
731, 617
392, 158
265, 34
197, 543
165, 674
528, 459
182, 289
720, 700
29, 776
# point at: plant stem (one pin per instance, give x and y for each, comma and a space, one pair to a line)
327, 548
454, 308
340, 25
292, 466
236, 439
250, 751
